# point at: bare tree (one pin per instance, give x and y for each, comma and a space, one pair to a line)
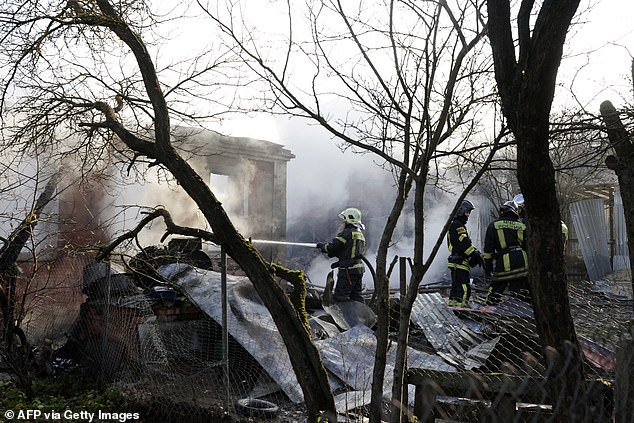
577, 150
410, 79
15, 347
62, 81
526, 84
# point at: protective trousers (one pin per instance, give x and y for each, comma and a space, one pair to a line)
460, 287
349, 286
518, 288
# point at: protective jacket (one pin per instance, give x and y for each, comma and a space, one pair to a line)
462, 254
505, 248
348, 246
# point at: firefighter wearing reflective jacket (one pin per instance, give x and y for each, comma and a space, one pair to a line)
505, 257
462, 256
348, 246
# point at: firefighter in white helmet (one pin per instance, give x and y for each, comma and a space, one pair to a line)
348, 246
505, 257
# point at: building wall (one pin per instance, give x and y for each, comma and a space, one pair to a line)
255, 193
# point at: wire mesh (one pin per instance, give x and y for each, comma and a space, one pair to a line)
162, 346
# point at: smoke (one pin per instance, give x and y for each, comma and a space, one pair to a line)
229, 178
127, 201
323, 180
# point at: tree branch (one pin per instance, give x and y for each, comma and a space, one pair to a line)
171, 229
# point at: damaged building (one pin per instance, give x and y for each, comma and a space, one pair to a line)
84, 216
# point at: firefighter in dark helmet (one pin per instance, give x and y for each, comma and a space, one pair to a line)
505, 255
348, 246
462, 256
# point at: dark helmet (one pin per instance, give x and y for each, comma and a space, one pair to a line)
465, 208
509, 207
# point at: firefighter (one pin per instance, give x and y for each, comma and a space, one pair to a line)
505, 258
462, 256
348, 246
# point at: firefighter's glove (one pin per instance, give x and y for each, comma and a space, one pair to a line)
475, 259
321, 246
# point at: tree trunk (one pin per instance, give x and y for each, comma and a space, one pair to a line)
292, 323
408, 293
546, 274
621, 164
17, 355
526, 82
383, 299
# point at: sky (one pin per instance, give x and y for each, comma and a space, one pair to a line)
596, 54
597, 60
606, 34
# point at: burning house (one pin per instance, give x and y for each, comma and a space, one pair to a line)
248, 176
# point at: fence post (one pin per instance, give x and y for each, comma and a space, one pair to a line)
403, 400
425, 401
104, 332
225, 328
624, 389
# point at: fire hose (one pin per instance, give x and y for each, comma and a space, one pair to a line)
296, 244
314, 245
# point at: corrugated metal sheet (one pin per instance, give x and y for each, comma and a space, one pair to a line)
348, 355
248, 321
588, 218
450, 337
621, 258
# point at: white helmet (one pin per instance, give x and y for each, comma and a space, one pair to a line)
509, 207
351, 216
519, 204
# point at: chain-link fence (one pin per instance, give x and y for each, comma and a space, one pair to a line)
500, 370
191, 343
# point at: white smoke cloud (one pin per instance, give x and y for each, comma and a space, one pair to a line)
321, 181
320, 176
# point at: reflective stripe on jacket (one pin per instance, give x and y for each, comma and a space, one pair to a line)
348, 246
460, 246
505, 244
